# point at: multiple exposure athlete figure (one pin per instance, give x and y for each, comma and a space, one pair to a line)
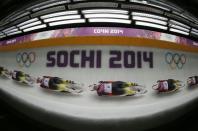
169, 85
192, 81
118, 88
18, 76
5, 73
58, 84
21, 77
108, 88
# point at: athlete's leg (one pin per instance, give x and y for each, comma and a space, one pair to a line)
196, 79
20, 76
66, 86
72, 91
7, 73
130, 84
30, 80
61, 87
1, 70
178, 85
117, 88
54, 86
171, 84
22, 79
126, 87
58, 80
129, 91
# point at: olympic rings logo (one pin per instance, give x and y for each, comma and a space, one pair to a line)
25, 59
175, 60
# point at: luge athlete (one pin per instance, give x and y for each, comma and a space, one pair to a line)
5, 72
21, 77
192, 81
118, 88
58, 84
169, 85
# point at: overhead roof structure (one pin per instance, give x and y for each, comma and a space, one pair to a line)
52, 14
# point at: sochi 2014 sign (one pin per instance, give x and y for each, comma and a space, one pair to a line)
93, 59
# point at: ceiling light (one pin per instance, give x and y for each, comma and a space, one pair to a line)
63, 18
107, 20
67, 22
59, 14
151, 25
106, 16
35, 28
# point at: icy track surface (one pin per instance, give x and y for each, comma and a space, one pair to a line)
89, 105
